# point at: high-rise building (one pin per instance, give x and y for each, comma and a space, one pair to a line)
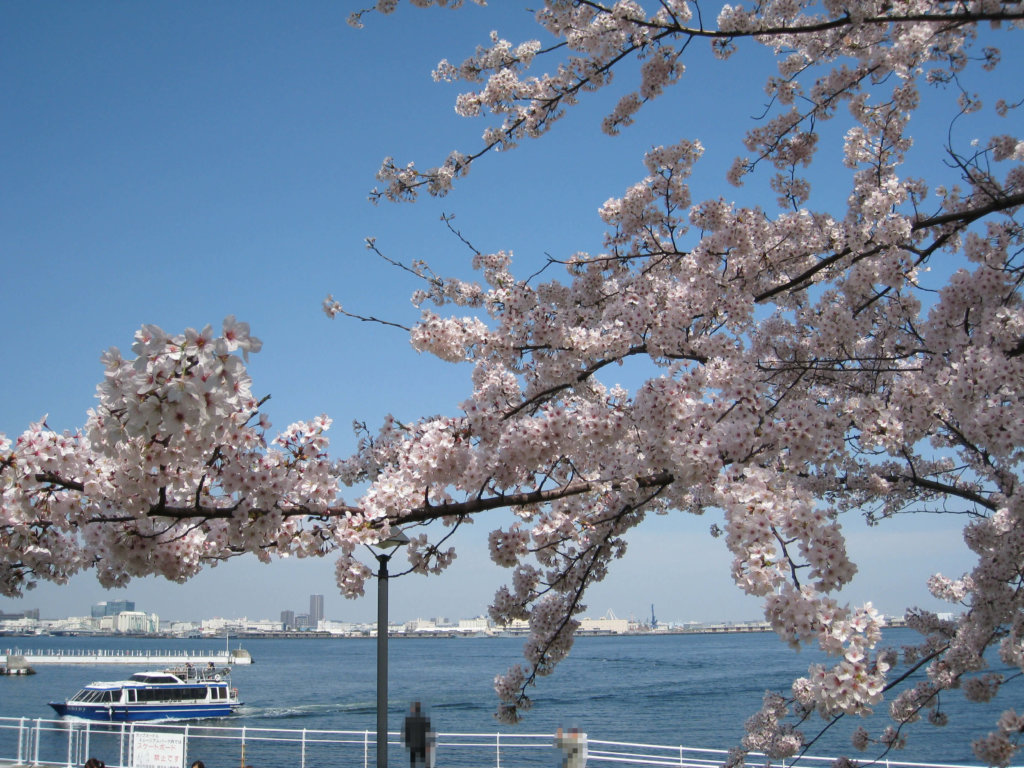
287, 619
316, 610
111, 608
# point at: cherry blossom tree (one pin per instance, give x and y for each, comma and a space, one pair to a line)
803, 362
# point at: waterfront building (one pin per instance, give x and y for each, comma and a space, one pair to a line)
478, 624
136, 622
287, 620
316, 610
338, 627
421, 626
32, 613
111, 608
179, 628
605, 625
219, 626
18, 624
516, 625
74, 625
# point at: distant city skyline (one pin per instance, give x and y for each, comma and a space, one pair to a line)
694, 587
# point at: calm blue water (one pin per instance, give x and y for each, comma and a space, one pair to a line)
693, 690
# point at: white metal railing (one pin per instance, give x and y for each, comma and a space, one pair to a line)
68, 744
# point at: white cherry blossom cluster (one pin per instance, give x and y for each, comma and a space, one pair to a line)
767, 731
171, 472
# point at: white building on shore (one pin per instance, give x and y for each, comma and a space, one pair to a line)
219, 626
338, 627
478, 624
605, 625
135, 622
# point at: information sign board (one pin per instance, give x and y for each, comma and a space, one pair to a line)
158, 750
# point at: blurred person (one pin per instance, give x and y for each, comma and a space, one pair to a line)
573, 744
416, 736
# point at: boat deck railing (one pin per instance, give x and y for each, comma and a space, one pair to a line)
68, 744
191, 673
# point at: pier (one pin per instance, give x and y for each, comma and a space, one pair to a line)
146, 658
15, 665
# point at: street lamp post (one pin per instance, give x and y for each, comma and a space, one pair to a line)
387, 546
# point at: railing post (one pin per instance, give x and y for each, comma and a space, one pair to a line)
187, 761
497, 750
302, 760
366, 749
22, 739
35, 757
83, 756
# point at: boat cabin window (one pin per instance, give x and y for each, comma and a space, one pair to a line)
88, 696
171, 694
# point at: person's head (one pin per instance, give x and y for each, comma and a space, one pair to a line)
198, 764
93, 762
416, 707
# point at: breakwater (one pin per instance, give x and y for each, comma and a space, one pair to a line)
137, 657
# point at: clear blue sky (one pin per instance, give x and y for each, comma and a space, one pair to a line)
174, 163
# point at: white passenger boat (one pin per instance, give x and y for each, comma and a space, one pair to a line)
182, 693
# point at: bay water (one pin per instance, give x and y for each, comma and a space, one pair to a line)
679, 689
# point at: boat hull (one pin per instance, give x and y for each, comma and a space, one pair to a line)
121, 713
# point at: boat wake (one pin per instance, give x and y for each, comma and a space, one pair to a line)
306, 710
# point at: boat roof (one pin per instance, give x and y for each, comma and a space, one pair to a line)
155, 677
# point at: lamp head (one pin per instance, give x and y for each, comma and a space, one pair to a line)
394, 541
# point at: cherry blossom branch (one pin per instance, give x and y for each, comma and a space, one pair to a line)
541, 397
543, 108
961, 219
527, 498
539, 664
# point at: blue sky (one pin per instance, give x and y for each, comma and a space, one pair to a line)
177, 163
